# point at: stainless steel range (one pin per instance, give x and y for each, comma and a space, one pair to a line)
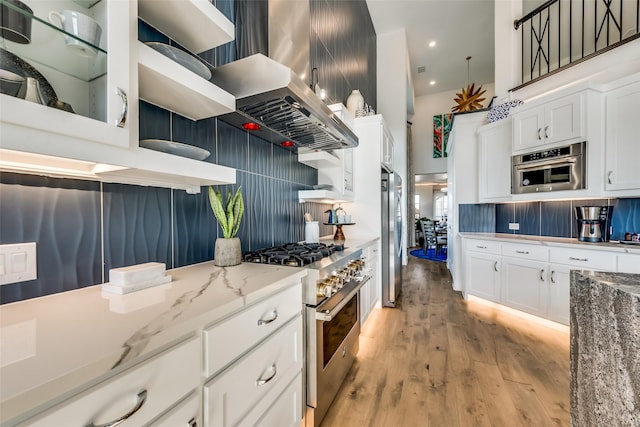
332, 315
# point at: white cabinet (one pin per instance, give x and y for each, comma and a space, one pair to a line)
387, 148
561, 120
629, 263
335, 170
494, 161
559, 295
249, 387
185, 414
100, 141
137, 395
370, 292
256, 323
482, 269
622, 150
524, 285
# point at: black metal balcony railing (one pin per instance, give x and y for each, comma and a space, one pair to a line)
562, 33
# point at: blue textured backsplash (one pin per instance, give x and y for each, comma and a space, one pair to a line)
553, 219
142, 224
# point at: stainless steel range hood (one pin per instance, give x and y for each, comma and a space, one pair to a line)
271, 92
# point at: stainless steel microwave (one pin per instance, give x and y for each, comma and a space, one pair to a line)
553, 169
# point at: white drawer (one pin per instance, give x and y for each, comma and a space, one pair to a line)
166, 378
485, 246
286, 411
584, 259
233, 394
224, 342
629, 263
184, 414
532, 252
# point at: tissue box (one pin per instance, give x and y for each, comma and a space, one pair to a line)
136, 273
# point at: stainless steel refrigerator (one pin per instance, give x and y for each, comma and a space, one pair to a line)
391, 237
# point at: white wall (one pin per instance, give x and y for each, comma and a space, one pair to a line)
426, 107
393, 101
426, 200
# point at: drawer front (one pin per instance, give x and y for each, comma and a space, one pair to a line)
185, 414
485, 246
628, 263
224, 342
232, 395
286, 411
532, 252
584, 259
166, 378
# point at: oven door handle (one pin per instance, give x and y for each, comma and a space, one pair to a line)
546, 164
326, 311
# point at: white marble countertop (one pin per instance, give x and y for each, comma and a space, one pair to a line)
612, 246
55, 344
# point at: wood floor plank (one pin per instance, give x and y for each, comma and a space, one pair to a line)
440, 361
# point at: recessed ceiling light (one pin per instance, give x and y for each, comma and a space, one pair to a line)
432, 43
432, 82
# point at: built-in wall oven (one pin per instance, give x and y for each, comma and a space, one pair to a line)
552, 169
331, 296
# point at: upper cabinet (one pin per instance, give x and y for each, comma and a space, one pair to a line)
494, 161
72, 77
335, 175
70, 90
622, 149
561, 120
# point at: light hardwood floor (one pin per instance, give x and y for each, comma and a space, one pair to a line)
438, 360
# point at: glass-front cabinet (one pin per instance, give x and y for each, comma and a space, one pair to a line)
65, 69
71, 75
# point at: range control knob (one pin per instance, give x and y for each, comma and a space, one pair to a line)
324, 289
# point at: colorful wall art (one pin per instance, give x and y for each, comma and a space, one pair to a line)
441, 130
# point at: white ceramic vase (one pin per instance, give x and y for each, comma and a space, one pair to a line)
227, 252
355, 102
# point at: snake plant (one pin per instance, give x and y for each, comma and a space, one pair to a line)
229, 215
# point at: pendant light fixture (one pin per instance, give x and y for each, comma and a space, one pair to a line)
469, 99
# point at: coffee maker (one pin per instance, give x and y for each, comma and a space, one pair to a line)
594, 223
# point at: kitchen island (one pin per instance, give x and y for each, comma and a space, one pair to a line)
605, 349
56, 347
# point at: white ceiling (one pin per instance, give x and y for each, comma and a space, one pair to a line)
460, 28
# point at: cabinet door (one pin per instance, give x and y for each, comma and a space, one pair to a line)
527, 128
559, 280
563, 120
524, 285
621, 144
96, 81
483, 275
494, 168
629, 263
286, 411
364, 302
184, 414
374, 286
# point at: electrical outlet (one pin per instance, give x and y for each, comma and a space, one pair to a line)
18, 263
514, 226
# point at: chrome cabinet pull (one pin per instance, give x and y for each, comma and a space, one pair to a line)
261, 381
579, 259
523, 252
193, 422
274, 316
495, 266
344, 352
552, 279
610, 177
125, 108
142, 397
542, 275
539, 137
546, 128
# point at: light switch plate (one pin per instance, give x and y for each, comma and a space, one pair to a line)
18, 263
514, 226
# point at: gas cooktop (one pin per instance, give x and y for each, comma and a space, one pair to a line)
292, 254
